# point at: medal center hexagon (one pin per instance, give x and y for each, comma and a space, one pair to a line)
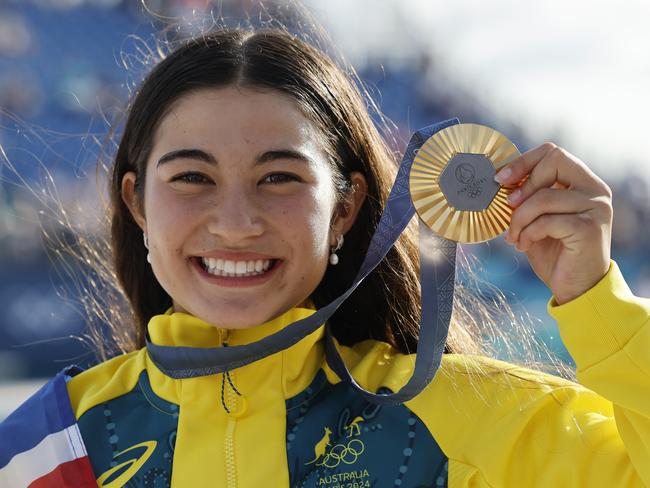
468, 182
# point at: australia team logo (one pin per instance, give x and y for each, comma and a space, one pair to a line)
347, 451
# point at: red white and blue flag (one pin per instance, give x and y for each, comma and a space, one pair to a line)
40, 442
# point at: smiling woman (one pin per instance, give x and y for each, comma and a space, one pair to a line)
246, 135
239, 176
247, 185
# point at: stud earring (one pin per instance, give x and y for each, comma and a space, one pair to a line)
146, 244
334, 259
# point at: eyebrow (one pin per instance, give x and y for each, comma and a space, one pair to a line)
201, 155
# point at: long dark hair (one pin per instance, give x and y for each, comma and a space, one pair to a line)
118, 289
385, 306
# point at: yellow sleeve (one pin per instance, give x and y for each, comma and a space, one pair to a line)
502, 425
607, 332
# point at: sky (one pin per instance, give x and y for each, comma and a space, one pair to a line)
573, 72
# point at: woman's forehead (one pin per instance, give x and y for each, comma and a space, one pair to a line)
236, 115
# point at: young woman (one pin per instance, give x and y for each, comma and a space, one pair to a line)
247, 184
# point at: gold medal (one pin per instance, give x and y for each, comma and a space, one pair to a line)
452, 183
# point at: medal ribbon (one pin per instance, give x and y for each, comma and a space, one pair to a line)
437, 274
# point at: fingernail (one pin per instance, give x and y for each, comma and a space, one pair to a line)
514, 197
503, 175
506, 234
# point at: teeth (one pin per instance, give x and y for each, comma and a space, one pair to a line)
224, 267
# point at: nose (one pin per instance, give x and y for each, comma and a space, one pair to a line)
235, 218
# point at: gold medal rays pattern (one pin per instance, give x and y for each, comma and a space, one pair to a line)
463, 226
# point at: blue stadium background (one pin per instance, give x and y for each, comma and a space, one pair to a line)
59, 62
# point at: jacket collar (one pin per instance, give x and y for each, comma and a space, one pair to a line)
183, 329
294, 367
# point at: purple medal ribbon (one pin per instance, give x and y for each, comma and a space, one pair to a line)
437, 274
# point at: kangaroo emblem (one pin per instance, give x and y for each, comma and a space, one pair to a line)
321, 446
354, 426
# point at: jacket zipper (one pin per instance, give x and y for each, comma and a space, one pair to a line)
229, 445
229, 441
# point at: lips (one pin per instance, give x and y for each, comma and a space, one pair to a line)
222, 274
227, 267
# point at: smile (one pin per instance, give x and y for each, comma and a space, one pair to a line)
226, 267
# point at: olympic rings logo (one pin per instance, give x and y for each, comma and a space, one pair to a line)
347, 454
474, 192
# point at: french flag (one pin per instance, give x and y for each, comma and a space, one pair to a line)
40, 442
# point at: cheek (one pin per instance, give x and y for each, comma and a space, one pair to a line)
168, 217
304, 222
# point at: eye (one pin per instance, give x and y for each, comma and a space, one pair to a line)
192, 178
276, 178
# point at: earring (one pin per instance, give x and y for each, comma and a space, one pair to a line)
146, 244
334, 259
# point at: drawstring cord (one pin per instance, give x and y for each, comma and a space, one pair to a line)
226, 375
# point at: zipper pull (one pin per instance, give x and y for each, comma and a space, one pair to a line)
224, 342
226, 375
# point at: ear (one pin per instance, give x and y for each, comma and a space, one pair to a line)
130, 198
349, 209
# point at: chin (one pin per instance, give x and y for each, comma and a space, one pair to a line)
236, 317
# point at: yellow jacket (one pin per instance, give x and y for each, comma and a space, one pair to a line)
287, 420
